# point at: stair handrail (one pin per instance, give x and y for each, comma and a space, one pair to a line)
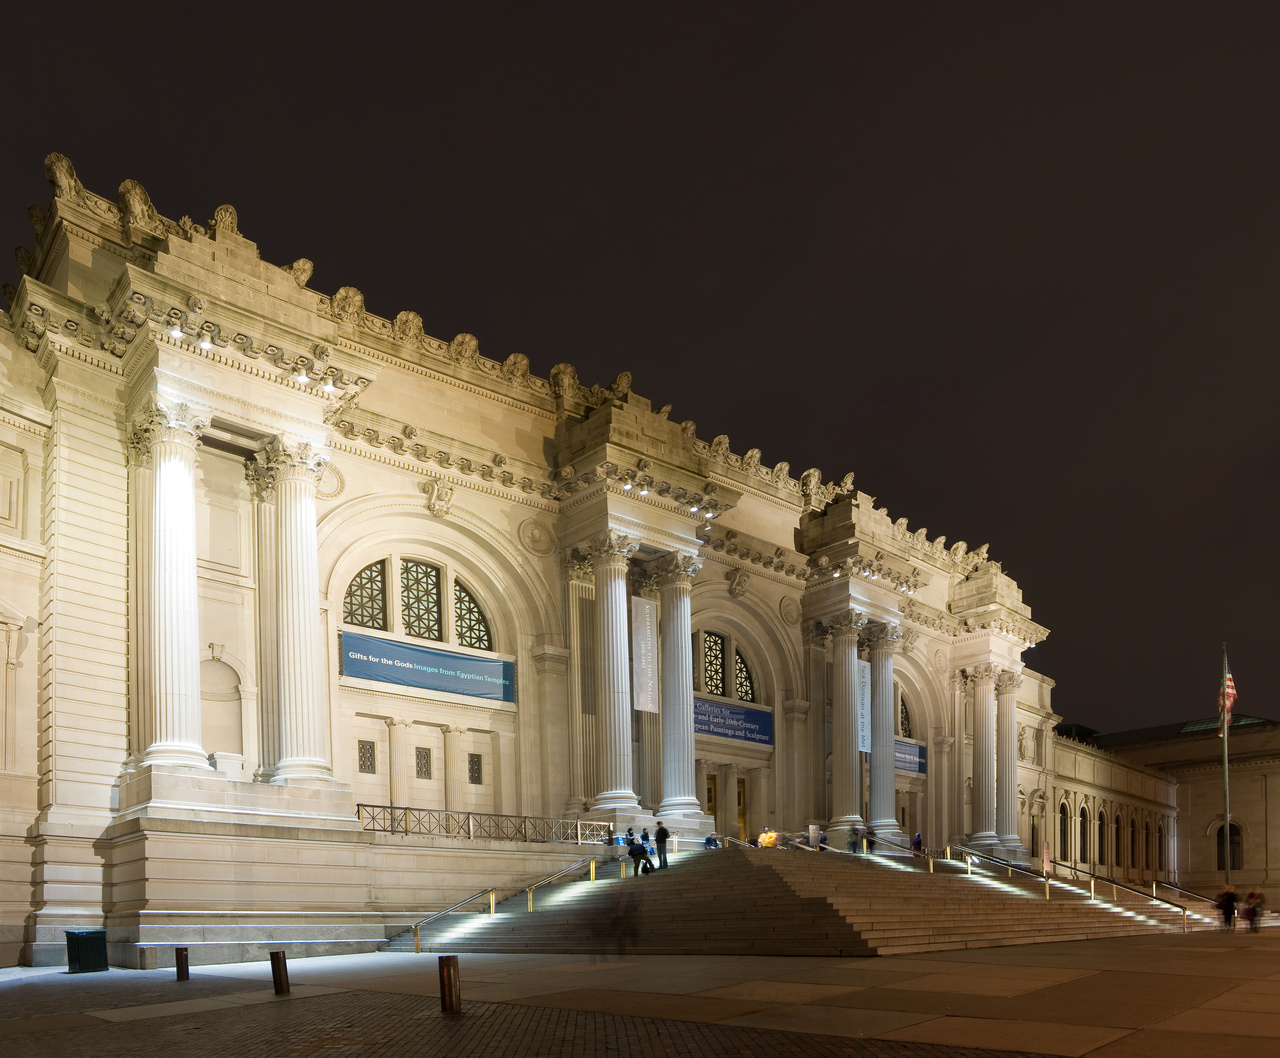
578, 865
736, 841
1187, 892
417, 926
1120, 885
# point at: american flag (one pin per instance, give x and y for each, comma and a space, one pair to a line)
1226, 696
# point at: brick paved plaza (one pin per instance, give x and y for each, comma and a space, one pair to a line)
1208, 995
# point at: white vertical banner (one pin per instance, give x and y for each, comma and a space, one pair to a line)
644, 654
864, 706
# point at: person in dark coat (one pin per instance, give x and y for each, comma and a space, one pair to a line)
660, 837
1227, 905
639, 854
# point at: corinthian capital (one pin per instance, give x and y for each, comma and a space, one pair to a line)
296, 459
984, 672
883, 637
847, 623
1008, 682
676, 568
160, 421
610, 548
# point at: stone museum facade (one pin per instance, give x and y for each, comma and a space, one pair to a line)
313, 621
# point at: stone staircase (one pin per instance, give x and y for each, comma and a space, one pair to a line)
791, 902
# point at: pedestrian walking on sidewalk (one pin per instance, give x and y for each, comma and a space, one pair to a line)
1253, 903
660, 837
1227, 905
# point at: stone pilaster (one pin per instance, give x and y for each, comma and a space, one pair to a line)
846, 774
794, 713
675, 580
727, 802
579, 578
940, 783
264, 553
1007, 684
610, 555
164, 435
883, 707
303, 707
455, 770
983, 677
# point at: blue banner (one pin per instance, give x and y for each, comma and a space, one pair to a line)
732, 721
907, 756
428, 668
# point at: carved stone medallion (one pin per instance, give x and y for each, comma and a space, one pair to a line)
331, 483
940, 662
790, 610
536, 537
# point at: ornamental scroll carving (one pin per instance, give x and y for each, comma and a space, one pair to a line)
738, 580
439, 496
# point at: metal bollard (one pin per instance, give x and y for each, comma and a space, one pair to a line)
180, 961
450, 992
593, 870
280, 973
622, 863
417, 941
493, 908
1046, 887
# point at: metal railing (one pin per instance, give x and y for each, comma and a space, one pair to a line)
560, 874
490, 893
1093, 881
391, 819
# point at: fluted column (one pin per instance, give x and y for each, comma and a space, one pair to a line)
610, 553
397, 763
700, 781
675, 629
940, 769
1007, 684
455, 770
165, 435
983, 678
884, 816
846, 772
578, 582
295, 469
264, 515
727, 802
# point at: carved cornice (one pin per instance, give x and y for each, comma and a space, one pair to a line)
927, 616
745, 548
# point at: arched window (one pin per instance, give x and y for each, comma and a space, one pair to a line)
718, 652
1160, 847
742, 681
904, 717
713, 663
472, 625
420, 601
1064, 833
1102, 839
1084, 833
1237, 849
365, 603
1118, 860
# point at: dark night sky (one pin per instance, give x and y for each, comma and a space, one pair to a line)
1015, 265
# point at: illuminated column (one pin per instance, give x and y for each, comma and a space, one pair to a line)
795, 798
295, 470
455, 770
679, 789
727, 802
578, 586
397, 764
984, 755
610, 553
883, 814
166, 435
1007, 684
846, 772
264, 516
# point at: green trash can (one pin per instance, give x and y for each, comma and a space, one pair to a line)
86, 950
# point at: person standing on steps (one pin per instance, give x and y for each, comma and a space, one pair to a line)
639, 854
660, 837
1227, 905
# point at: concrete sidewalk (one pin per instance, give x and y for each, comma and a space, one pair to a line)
1165, 996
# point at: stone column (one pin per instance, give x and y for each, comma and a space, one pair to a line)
700, 782
846, 775
264, 516
295, 470
610, 553
727, 801
675, 630
166, 435
796, 796
983, 677
578, 587
814, 645
940, 828
956, 832
884, 816
397, 764
455, 770
1007, 684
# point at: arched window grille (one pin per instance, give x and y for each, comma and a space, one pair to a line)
742, 681
1064, 833
713, 663
420, 599
1102, 839
1084, 833
472, 625
904, 717
365, 603
1237, 848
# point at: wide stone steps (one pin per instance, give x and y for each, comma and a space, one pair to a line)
783, 902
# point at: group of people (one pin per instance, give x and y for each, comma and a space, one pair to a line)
1250, 909
638, 849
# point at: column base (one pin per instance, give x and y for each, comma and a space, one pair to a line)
622, 818
616, 801
889, 838
176, 755
300, 768
1011, 849
985, 842
681, 807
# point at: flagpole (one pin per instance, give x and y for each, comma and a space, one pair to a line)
1226, 781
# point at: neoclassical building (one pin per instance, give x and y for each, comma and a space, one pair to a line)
313, 621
